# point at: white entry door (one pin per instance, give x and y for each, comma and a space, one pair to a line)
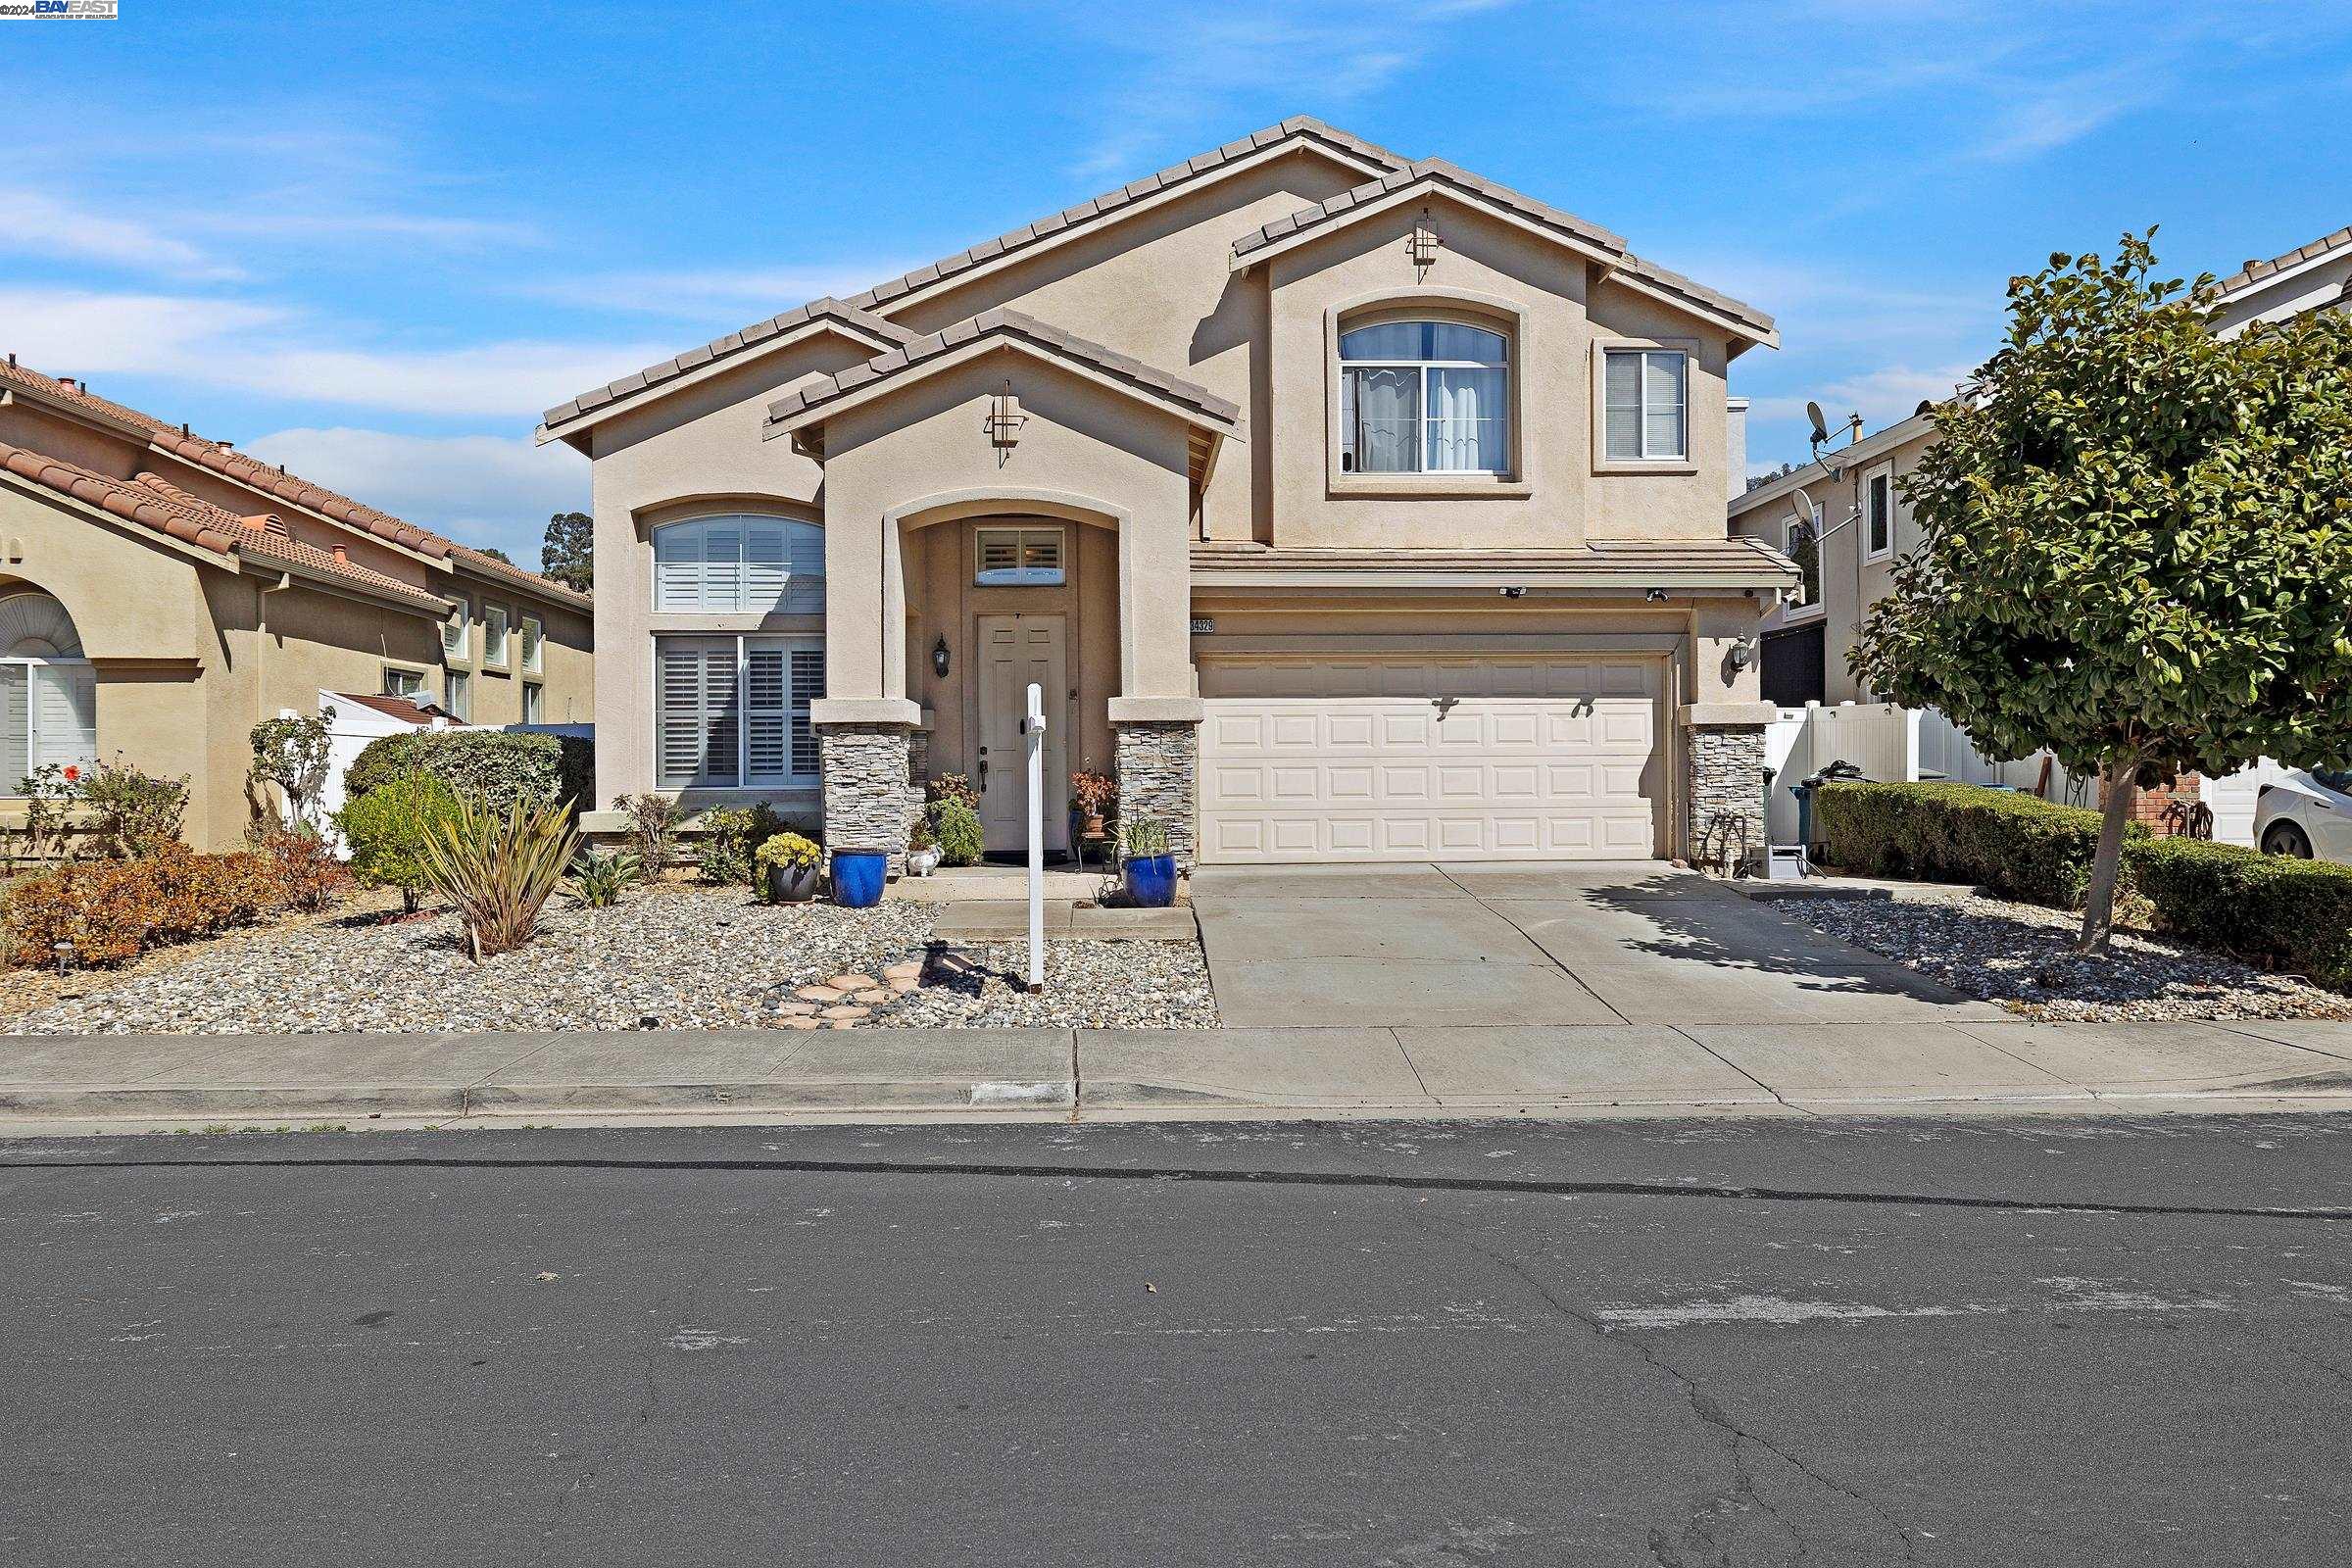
1461, 757
1015, 650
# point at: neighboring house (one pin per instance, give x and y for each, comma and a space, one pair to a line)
1347, 508
1844, 520
160, 594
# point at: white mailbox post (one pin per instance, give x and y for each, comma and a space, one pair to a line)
1033, 731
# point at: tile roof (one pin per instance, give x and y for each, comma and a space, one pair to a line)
1439, 172
175, 440
790, 408
1628, 564
2256, 271
750, 337
155, 503
402, 708
858, 308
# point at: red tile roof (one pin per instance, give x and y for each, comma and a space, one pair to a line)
175, 440
401, 709
153, 502
2255, 271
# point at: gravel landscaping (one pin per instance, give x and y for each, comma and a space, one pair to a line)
2019, 956
668, 956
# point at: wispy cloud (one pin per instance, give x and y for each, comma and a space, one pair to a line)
35, 222
285, 354
1199, 65
485, 489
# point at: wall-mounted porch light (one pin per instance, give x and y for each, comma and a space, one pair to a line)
939, 659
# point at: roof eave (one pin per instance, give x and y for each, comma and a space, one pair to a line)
573, 430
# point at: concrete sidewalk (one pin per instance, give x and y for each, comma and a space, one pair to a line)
1571, 1070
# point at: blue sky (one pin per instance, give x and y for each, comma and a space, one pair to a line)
373, 243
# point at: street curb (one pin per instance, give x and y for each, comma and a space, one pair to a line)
499, 1100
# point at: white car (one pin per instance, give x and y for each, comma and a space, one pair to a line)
2307, 814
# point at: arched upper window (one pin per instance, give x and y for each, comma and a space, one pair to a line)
1424, 396
48, 692
740, 565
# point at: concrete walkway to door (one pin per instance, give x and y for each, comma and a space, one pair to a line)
1556, 943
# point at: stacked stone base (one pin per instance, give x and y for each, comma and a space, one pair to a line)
871, 797
1725, 788
1158, 770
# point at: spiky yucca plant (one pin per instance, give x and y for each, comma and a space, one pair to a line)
498, 871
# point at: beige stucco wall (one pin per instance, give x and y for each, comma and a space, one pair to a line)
1850, 583
921, 454
1492, 274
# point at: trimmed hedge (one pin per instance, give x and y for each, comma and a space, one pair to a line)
110, 911
2298, 913
2015, 843
492, 767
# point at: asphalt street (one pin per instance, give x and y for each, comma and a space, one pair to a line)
1982, 1342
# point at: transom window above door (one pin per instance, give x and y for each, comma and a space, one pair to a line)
740, 565
1424, 396
1017, 558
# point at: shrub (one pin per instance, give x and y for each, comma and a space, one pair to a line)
293, 754
2296, 912
499, 870
133, 813
2013, 843
52, 793
956, 826
387, 829
598, 880
491, 768
654, 819
954, 787
110, 911
1143, 837
302, 860
730, 836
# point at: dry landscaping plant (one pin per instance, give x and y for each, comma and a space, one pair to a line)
498, 871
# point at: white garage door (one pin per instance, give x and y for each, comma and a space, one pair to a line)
1473, 758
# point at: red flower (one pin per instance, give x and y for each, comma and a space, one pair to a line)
73, 774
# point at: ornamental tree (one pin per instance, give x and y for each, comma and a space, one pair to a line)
2138, 543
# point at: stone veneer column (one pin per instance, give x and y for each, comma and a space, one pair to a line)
1158, 766
1725, 794
869, 798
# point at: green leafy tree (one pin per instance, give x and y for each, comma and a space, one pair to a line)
388, 828
569, 554
2136, 543
495, 553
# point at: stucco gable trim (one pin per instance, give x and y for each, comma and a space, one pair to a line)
571, 422
1437, 177
984, 334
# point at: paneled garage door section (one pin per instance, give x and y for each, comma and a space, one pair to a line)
1468, 759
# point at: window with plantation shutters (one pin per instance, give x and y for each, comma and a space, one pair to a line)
453, 632
48, 691
740, 565
1019, 558
533, 633
734, 710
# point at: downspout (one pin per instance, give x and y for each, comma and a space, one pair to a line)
261, 658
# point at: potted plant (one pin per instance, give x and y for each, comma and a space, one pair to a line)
1151, 870
858, 878
787, 867
1092, 797
922, 847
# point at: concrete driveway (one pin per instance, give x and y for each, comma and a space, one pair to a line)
1593, 943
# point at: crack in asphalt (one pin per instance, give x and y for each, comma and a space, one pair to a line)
1270, 1178
1709, 1411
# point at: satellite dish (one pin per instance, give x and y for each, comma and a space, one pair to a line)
1821, 430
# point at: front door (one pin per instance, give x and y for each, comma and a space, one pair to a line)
1014, 651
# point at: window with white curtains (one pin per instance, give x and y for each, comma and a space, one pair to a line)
1647, 392
48, 692
740, 565
734, 710
1424, 396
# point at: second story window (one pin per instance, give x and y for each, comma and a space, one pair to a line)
1648, 404
1424, 396
1878, 515
1803, 545
740, 565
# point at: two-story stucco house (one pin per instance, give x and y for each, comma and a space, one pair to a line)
1345, 507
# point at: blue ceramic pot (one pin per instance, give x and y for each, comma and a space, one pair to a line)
857, 876
1152, 880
